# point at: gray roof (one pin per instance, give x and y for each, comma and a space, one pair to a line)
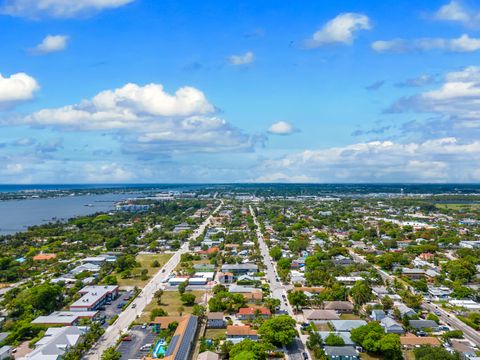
247, 266
320, 315
422, 324
388, 322
340, 351
345, 335
347, 325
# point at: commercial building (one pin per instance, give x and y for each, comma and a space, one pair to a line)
64, 318
93, 297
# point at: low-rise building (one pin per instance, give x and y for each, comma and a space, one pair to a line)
391, 326
64, 318
341, 307
237, 269
215, 320
94, 296
320, 316
342, 353
251, 313
346, 325
238, 333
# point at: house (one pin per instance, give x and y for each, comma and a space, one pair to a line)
345, 335
414, 274
238, 269
405, 310
238, 333
175, 281
346, 325
44, 257
181, 227
466, 304
410, 341
215, 320
94, 296
341, 307
56, 342
341, 260
320, 316
183, 339
252, 313
64, 318
226, 278
208, 355
85, 267
342, 353
248, 278
378, 291
349, 279
423, 324
439, 293
378, 315
391, 326
6, 352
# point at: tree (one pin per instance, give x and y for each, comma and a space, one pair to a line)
110, 280
334, 340
249, 349
155, 263
297, 299
158, 295
180, 310
433, 317
111, 354
276, 253
387, 302
391, 347
188, 299
157, 312
372, 338
271, 303
427, 352
452, 334
182, 287
361, 293
279, 330
199, 310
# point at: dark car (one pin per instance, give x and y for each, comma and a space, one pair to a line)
305, 356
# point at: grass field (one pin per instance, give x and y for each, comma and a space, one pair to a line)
215, 333
350, 317
170, 303
365, 356
458, 206
145, 261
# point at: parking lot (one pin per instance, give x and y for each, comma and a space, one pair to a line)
139, 337
111, 309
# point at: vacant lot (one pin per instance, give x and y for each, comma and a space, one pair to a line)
145, 261
215, 333
457, 207
171, 303
350, 317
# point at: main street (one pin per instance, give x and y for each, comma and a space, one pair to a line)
447, 317
279, 291
125, 318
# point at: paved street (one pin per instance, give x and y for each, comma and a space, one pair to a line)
109, 338
279, 291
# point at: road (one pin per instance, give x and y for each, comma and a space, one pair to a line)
111, 335
279, 291
445, 316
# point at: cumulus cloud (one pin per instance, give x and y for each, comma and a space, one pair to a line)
458, 98
340, 30
37, 9
148, 119
442, 160
106, 172
50, 44
464, 43
281, 128
16, 88
243, 59
454, 11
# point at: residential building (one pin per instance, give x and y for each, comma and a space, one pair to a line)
238, 333
215, 320
237, 269
346, 325
6, 352
422, 324
339, 306
226, 278
320, 316
414, 274
378, 315
64, 318
345, 335
56, 342
182, 342
391, 326
208, 355
251, 313
342, 353
410, 341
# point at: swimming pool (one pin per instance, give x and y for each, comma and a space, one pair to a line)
160, 349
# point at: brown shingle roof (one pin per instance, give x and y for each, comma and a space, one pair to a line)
239, 330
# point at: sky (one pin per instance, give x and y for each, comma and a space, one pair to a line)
181, 91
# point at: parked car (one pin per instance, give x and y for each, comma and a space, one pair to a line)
134, 306
127, 338
305, 356
120, 305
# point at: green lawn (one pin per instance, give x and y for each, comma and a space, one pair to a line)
170, 303
365, 356
215, 333
350, 317
145, 261
458, 206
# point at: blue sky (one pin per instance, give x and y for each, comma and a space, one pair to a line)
235, 91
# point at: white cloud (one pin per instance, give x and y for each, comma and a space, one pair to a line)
58, 8
418, 81
340, 29
281, 128
458, 98
454, 11
438, 160
106, 173
148, 119
464, 43
50, 44
17, 88
243, 59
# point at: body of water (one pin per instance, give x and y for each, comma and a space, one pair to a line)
17, 215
